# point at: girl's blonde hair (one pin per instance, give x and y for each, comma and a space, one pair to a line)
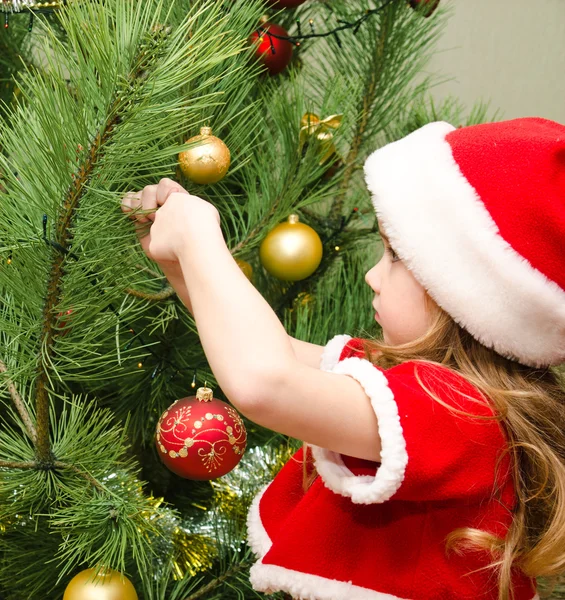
530, 404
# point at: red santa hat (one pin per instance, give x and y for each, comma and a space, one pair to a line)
478, 215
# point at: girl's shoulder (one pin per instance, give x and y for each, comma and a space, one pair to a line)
421, 379
440, 437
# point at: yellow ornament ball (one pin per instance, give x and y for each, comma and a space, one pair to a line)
100, 584
208, 158
291, 251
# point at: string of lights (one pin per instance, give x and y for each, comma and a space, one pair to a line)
343, 25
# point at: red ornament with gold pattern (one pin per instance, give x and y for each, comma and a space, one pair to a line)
201, 437
273, 52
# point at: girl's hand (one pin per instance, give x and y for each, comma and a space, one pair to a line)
164, 215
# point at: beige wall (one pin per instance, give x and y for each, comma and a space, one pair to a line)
511, 52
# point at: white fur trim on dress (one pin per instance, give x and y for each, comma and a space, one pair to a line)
440, 228
303, 586
258, 538
332, 352
368, 489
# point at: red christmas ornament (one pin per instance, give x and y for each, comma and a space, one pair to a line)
286, 3
63, 321
200, 437
428, 6
273, 52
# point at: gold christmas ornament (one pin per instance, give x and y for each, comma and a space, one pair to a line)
291, 251
323, 130
100, 584
208, 160
246, 268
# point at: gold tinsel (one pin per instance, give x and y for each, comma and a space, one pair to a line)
23, 5
234, 492
192, 553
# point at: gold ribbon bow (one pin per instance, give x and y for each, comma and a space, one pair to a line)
323, 129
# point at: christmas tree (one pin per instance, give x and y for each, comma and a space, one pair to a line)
94, 343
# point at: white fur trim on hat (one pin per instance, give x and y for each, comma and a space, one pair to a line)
303, 586
440, 228
332, 352
258, 538
389, 476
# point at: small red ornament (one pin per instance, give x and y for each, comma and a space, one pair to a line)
286, 3
273, 52
200, 437
63, 321
427, 6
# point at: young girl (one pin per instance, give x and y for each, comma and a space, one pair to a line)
439, 452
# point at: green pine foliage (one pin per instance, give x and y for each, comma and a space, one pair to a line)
93, 343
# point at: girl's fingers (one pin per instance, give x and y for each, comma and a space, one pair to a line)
149, 201
131, 203
167, 187
141, 205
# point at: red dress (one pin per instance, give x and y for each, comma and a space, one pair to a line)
376, 531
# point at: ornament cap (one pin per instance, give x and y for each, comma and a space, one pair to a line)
293, 219
204, 394
206, 131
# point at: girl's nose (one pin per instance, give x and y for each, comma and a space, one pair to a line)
372, 279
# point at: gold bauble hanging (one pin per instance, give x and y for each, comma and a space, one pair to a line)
246, 268
291, 251
101, 584
208, 160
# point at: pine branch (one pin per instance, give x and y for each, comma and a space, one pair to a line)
216, 582
62, 465
258, 227
56, 465
20, 406
366, 104
18, 464
63, 242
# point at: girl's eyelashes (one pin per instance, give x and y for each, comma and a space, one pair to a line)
393, 256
